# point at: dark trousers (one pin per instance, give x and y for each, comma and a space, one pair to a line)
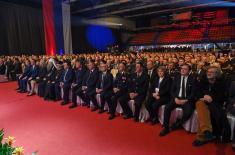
187, 112
13, 75
233, 141
122, 98
153, 106
219, 121
49, 91
66, 89
57, 91
87, 97
106, 97
23, 84
231, 110
139, 100
74, 94
41, 88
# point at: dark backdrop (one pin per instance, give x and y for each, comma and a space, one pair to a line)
21, 30
81, 44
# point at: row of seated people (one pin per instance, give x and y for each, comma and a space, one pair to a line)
173, 85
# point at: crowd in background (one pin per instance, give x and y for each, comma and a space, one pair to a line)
200, 81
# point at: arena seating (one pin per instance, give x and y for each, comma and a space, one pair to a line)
222, 33
143, 38
180, 36
186, 36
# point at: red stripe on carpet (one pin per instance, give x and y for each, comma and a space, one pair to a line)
55, 130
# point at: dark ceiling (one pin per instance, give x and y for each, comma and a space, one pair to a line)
130, 8
139, 8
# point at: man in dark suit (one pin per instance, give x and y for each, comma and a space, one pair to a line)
138, 88
16, 69
88, 92
120, 89
41, 78
160, 94
23, 78
182, 95
200, 74
151, 72
32, 79
66, 81
210, 99
50, 77
171, 71
76, 86
2, 67
104, 87
231, 107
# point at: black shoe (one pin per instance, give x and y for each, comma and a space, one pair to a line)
126, 117
164, 132
72, 106
198, 143
94, 109
136, 119
111, 117
101, 111
177, 125
64, 103
154, 121
22, 91
208, 136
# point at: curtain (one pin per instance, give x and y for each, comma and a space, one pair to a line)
67, 28
21, 30
49, 26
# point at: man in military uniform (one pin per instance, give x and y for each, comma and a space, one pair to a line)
138, 88
120, 88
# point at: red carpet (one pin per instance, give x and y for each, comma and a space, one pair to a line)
55, 130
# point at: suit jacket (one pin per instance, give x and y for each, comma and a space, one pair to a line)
67, 76
165, 87
122, 82
27, 71
153, 77
90, 81
231, 98
79, 76
107, 84
190, 88
42, 72
231, 101
216, 91
2, 69
34, 72
200, 76
50, 76
139, 84
17, 68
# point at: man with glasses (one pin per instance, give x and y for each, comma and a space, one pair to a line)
182, 95
210, 99
104, 87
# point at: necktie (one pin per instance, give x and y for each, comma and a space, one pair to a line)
183, 88
149, 73
88, 78
102, 81
65, 75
